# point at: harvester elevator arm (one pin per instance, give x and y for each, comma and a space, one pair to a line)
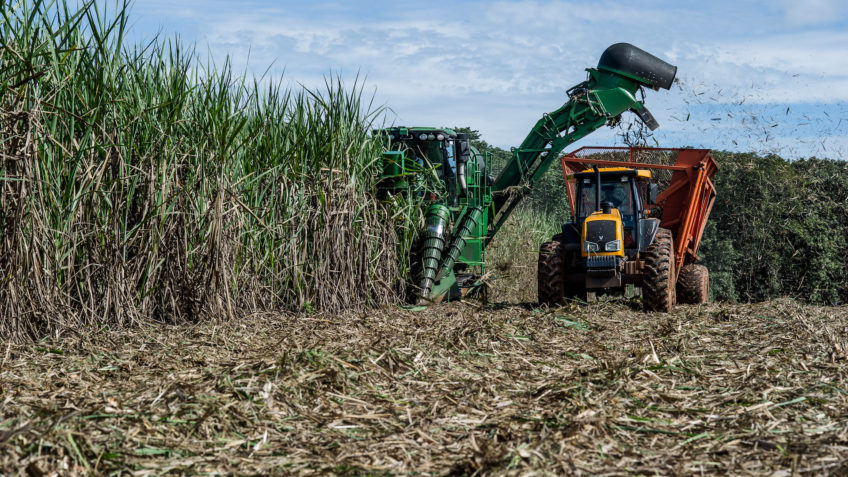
609, 91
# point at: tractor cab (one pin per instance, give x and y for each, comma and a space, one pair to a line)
610, 227
607, 216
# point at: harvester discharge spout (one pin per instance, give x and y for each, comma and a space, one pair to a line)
631, 62
627, 60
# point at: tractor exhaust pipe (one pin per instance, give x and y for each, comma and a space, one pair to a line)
597, 188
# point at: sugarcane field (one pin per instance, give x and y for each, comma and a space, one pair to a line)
448, 239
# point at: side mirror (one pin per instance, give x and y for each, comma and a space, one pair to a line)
463, 148
653, 192
463, 155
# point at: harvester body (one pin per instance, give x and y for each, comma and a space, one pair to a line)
463, 207
624, 232
439, 168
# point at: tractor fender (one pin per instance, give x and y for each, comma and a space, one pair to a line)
648, 229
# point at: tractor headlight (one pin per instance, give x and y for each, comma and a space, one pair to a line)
613, 246
590, 247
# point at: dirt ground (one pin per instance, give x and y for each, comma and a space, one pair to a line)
458, 389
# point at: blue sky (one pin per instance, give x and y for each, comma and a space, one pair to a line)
754, 76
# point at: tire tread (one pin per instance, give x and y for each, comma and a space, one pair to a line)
658, 288
550, 272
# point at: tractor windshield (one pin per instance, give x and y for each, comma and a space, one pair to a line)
615, 192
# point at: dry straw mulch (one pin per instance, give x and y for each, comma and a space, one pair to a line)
457, 389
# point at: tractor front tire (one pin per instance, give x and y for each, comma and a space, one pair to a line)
693, 284
550, 272
658, 287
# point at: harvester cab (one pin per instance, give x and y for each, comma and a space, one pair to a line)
440, 153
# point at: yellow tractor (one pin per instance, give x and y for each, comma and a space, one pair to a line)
613, 238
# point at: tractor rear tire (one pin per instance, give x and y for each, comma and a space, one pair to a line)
693, 284
550, 272
658, 287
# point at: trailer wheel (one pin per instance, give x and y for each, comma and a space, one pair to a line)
658, 288
550, 272
693, 284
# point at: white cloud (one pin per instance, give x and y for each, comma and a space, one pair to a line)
498, 66
814, 12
